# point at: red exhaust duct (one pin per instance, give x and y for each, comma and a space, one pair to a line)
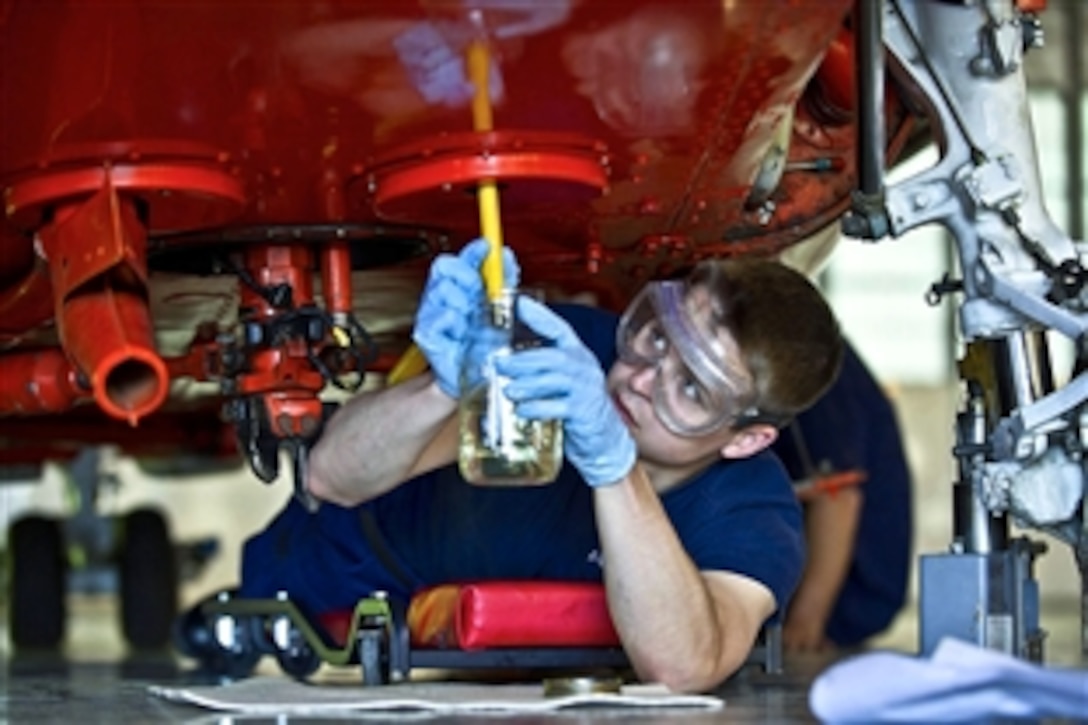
96, 251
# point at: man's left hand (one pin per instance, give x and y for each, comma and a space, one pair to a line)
565, 381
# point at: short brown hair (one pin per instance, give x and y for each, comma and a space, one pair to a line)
787, 333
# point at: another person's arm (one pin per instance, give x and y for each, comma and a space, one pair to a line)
831, 522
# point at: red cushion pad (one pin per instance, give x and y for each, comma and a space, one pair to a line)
511, 614
337, 624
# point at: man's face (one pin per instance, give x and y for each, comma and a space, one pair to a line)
672, 383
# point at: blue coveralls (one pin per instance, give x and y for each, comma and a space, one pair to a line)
853, 426
740, 516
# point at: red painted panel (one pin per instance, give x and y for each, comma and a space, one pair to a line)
275, 94
626, 135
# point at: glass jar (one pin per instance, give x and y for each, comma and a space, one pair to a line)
497, 448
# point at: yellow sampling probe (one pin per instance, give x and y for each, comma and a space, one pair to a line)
412, 362
487, 193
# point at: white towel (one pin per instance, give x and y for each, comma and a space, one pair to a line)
960, 682
283, 696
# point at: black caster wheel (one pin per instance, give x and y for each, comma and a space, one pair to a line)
149, 580
299, 662
192, 635
225, 646
38, 583
295, 655
237, 646
372, 658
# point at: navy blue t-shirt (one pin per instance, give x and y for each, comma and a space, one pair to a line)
854, 427
739, 516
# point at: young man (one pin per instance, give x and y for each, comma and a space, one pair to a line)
667, 493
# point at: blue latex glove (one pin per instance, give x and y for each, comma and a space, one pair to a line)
452, 295
565, 381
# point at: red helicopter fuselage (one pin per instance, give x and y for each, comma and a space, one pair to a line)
305, 146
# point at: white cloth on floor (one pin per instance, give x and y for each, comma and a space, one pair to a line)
959, 682
282, 696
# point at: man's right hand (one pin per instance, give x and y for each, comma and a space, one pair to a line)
454, 291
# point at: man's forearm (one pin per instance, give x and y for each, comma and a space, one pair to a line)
673, 627
377, 439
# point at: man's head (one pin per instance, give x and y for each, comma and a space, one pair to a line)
715, 363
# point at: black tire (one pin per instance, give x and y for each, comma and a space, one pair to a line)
148, 576
238, 662
38, 583
283, 638
299, 662
371, 657
194, 636
191, 636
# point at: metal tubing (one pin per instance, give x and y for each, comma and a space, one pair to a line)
870, 74
336, 278
1021, 359
1083, 564
39, 381
108, 332
96, 250
978, 538
1074, 116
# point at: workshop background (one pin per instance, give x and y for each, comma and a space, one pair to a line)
878, 291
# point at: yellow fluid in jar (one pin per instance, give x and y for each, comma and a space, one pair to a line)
499, 449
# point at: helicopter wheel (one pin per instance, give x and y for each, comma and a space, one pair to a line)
38, 584
149, 580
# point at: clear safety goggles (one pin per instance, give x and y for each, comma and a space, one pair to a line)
699, 385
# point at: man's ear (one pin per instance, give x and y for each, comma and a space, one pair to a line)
750, 440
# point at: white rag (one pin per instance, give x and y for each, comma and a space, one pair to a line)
959, 682
282, 696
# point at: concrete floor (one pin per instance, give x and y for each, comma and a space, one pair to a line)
94, 680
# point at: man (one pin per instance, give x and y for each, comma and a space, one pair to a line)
667, 493
859, 536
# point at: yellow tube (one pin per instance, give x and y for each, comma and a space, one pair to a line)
479, 68
412, 362
491, 229
487, 193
